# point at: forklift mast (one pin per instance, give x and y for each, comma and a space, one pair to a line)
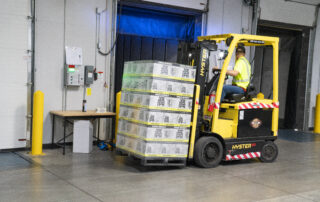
197, 54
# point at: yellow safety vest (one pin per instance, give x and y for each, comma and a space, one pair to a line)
244, 68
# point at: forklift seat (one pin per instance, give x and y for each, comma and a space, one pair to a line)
247, 96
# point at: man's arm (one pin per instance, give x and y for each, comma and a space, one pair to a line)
232, 73
229, 72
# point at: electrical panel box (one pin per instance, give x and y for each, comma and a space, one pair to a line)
73, 75
88, 75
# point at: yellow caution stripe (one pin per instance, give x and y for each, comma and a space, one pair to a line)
150, 155
154, 124
152, 139
159, 76
157, 108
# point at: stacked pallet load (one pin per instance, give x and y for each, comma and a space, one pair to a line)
155, 112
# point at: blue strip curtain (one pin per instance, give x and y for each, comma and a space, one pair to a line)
155, 24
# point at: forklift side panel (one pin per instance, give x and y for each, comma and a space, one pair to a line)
243, 147
255, 123
224, 128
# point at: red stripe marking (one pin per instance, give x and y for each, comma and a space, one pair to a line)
251, 106
216, 105
250, 155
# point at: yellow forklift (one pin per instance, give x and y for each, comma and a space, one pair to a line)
243, 127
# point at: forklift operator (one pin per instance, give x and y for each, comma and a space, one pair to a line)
240, 73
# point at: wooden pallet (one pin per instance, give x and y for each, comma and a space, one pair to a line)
156, 161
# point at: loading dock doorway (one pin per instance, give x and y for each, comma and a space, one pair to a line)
152, 32
293, 61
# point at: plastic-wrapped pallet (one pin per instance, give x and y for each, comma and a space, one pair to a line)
152, 148
160, 70
163, 102
153, 133
157, 85
155, 110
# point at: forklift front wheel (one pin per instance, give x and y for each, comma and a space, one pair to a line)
208, 152
269, 152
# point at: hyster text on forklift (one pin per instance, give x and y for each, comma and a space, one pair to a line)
243, 126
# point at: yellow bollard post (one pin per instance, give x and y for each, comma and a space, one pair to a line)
37, 123
118, 99
317, 116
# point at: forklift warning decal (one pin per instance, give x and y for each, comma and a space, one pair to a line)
203, 61
256, 105
242, 146
243, 156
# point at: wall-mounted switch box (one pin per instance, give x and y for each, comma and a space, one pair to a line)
88, 75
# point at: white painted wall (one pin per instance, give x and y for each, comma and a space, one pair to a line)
287, 12
14, 60
315, 83
225, 17
74, 27
230, 16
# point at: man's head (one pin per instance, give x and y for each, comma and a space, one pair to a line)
240, 51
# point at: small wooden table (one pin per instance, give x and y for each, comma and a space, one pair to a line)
67, 115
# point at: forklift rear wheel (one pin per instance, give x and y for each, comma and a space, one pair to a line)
208, 152
269, 152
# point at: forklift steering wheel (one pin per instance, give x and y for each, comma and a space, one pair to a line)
216, 71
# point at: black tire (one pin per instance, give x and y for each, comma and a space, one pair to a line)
269, 152
208, 152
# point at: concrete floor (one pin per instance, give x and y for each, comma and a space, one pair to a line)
104, 176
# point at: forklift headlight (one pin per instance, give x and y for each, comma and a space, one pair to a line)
222, 54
